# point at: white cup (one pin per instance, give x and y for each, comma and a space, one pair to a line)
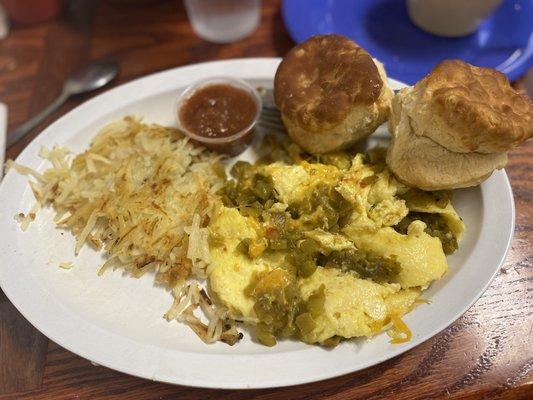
223, 21
450, 18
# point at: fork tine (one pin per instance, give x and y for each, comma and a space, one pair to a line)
271, 122
270, 110
272, 126
271, 118
268, 131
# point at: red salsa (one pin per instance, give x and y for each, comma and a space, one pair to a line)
218, 111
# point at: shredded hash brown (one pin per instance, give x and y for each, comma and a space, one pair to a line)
143, 194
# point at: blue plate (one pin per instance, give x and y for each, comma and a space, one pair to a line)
504, 41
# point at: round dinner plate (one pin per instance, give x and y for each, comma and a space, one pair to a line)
504, 41
116, 321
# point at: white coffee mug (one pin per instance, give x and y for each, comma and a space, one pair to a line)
450, 18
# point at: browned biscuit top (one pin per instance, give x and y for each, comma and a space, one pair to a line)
319, 81
486, 113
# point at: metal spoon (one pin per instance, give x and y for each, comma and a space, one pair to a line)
92, 77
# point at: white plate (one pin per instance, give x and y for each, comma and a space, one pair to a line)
117, 322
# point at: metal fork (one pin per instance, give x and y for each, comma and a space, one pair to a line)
270, 120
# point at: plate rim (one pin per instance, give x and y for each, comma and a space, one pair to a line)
74, 347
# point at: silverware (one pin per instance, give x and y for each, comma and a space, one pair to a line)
270, 119
4, 23
92, 77
3, 127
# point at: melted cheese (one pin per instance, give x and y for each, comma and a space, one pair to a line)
353, 307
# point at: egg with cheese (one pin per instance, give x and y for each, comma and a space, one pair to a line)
351, 304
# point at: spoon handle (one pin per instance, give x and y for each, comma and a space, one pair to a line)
14, 136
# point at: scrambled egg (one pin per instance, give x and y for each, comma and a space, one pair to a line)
420, 201
352, 306
419, 254
295, 182
373, 195
233, 271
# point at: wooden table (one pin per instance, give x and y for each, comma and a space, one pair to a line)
484, 355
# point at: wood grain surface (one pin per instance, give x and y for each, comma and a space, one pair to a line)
486, 354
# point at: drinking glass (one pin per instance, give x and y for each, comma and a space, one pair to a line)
223, 21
